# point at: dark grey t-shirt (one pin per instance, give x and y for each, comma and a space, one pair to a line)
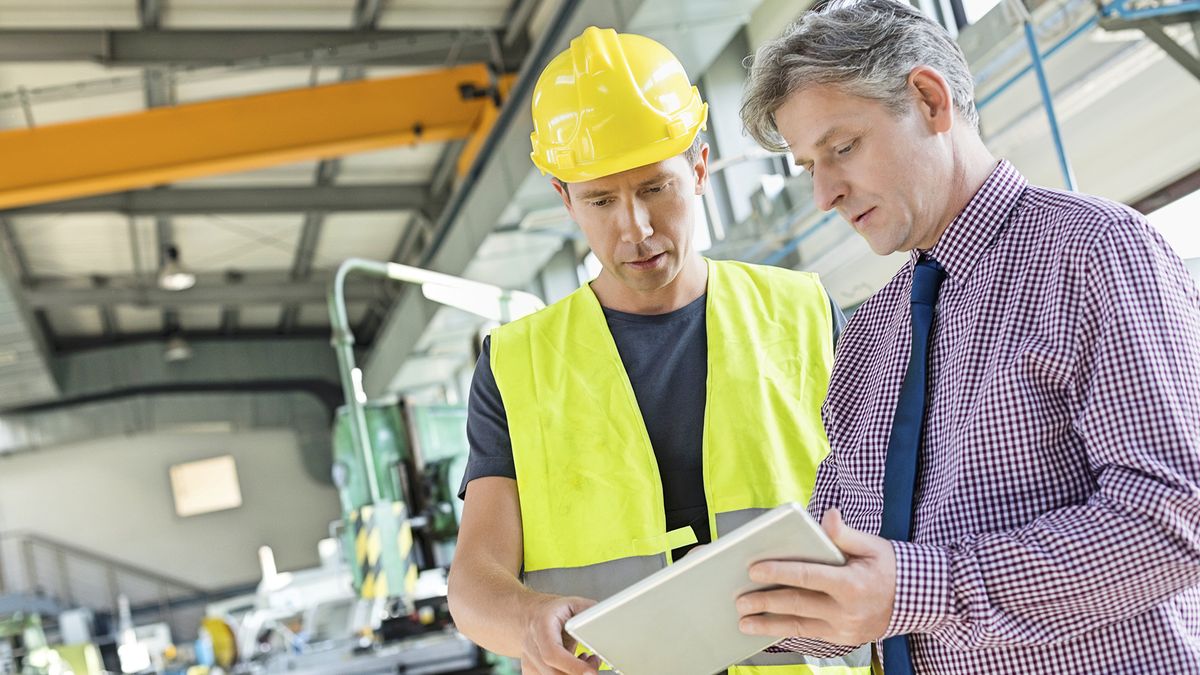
666, 358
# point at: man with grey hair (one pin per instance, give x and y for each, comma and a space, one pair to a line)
1016, 413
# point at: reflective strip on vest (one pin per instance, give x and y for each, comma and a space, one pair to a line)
590, 492
599, 581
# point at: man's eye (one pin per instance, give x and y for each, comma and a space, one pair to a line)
845, 149
601, 202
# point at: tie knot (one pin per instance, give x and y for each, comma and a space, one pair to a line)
928, 276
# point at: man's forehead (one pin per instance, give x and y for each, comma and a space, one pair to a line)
809, 120
651, 173
810, 139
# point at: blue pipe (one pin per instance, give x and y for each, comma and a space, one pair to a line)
1069, 38
1013, 51
1048, 102
1114, 7
1153, 12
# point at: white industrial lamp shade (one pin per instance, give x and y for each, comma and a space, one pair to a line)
172, 276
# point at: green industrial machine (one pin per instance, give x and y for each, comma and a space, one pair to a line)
419, 455
377, 535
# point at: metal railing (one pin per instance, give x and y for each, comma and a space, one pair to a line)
73, 576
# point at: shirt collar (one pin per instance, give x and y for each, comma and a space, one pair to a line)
977, 226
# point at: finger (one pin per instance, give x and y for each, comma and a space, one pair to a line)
577, 604
811, 576
783, 626
558, 658
568, 641
791, 601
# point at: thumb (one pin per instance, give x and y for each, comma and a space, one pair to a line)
577, 604
849, 540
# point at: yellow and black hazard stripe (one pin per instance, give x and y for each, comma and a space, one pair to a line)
404, 543
373, 565
368, 554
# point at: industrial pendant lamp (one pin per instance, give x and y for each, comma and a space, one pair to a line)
172, 276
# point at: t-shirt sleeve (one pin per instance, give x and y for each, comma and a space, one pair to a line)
839, 319
487, 426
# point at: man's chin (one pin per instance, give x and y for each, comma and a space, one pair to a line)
881, 247
648, 282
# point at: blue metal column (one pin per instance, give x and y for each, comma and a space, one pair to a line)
1048, 102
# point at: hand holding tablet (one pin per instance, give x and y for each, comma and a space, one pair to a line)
683, 619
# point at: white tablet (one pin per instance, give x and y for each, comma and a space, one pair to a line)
682, 619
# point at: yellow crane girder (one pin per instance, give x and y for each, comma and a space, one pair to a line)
163, 145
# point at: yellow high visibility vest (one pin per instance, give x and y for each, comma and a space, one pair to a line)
590, 492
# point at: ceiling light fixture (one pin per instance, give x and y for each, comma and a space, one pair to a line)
177, 350
172, 276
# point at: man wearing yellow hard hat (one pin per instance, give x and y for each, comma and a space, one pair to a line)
667, 402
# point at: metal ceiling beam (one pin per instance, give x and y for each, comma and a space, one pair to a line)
443, 172
108, 321
149, 13
1173, 49
1177, 189
229, 320
366, 15
24, 365
310, 235
16, 252
206, 292
1152, 21
518, 21
306, 249
242, 200
135, 48
239, 134
466, 158
159, 91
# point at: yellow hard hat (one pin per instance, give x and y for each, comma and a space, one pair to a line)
610, 103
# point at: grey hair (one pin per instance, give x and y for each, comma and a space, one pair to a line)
865, 48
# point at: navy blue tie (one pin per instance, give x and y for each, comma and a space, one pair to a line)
903, 451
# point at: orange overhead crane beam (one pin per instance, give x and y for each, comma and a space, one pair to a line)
164, 145
490, 114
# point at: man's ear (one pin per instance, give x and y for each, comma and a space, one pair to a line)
561, 188
935, 100
701, 169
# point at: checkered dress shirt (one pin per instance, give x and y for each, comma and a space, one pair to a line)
1057, 519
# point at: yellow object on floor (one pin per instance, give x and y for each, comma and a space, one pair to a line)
83, 659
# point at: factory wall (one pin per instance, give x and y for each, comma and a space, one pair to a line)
113, 496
